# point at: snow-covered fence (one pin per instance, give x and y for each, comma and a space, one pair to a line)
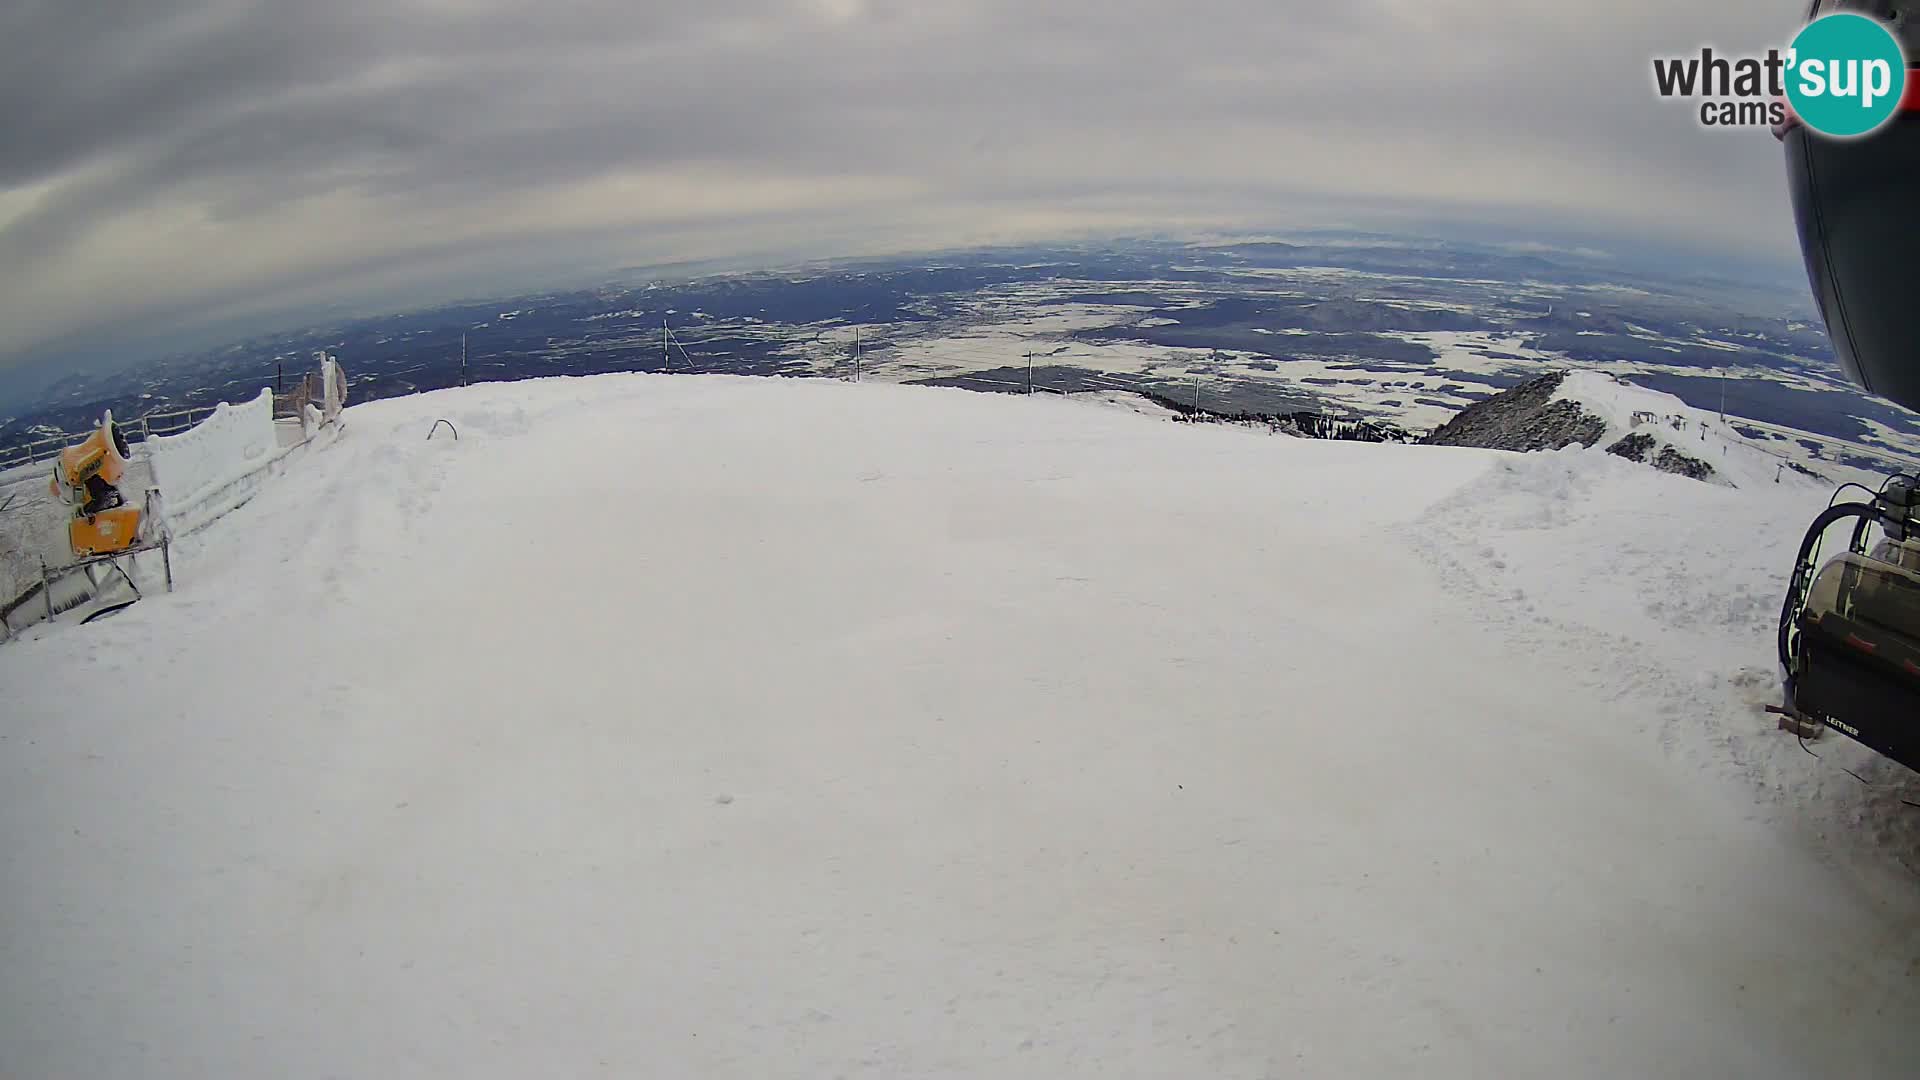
169, 422
325, 390
41, 449
314, 398
293, 404
209, 469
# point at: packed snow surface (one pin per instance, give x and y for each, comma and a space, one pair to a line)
683, 726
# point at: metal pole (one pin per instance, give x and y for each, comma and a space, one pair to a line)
1196, 395
666, 358
276, 377
46, 589
856, 354
1029, 371
166, 558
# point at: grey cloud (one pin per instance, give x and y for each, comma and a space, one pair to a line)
181, 156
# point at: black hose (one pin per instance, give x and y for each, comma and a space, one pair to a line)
1858, 545
112, 609
1850, 484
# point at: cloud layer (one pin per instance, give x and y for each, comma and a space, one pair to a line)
208, 159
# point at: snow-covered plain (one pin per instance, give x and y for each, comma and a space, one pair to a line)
704, 726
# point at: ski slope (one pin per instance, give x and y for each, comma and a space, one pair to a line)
1667, 423
704, 726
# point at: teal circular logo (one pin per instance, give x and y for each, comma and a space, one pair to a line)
1845, 75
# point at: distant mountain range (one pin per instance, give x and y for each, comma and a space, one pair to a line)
1389, 331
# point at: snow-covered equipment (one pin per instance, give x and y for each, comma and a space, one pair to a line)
106, 532
87, 477
1850, 630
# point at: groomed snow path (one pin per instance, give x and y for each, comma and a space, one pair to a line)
756, 728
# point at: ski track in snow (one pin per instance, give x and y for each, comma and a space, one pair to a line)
710, 726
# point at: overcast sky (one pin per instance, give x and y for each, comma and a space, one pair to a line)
206, 160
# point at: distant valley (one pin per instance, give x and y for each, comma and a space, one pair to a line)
1356, 327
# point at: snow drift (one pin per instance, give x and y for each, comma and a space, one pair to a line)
729, 727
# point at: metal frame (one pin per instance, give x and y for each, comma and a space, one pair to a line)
49, 575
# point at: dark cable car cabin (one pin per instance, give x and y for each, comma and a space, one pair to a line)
1856, 203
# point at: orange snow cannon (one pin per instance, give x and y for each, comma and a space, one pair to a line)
104, 533
87, 478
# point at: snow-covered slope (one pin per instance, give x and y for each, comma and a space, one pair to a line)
1596, 409
1661, 430
689, 726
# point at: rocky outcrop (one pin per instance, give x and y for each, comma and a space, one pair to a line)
1522, 419
1634, 447
1673, 461
1528, 418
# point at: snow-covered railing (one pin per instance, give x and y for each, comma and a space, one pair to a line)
324, 389
233, 441
171, 422
41, 449
217, 465
46, 448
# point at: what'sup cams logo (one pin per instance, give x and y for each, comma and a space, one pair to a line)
1843, 76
